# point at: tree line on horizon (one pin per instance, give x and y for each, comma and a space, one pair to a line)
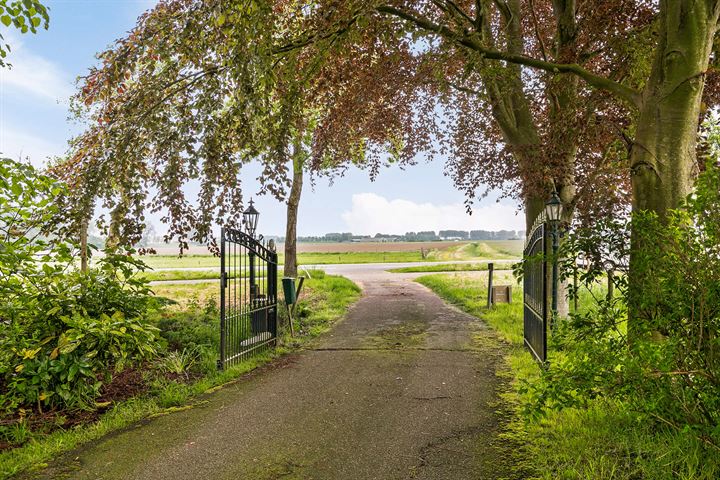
423, 236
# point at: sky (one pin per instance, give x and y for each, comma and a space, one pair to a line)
34, 124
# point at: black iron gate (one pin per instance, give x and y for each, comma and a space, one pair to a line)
535, 282
248, 296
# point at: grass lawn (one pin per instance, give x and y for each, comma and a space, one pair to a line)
164, 275
602, 442
189, 295
325, 299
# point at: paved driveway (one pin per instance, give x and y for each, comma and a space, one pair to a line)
403, 388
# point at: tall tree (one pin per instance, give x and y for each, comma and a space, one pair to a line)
663, 101
186, 96
506, 124
667, 104
197, 90
293, 205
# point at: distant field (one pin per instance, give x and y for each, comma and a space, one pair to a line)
491, 249
338, 247
307, 258
371, 246
452, 267
391, 252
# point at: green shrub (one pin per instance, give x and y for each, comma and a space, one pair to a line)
658, 349
62, 332
60, 357
180, 363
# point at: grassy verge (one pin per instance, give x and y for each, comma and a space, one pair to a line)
325, 298
452, 267
165, 275
604, 441
323, 258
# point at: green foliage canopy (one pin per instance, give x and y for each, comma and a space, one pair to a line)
186, 95
25, 16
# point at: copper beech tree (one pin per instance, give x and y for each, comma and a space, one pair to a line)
503, 126
198, 89
197, 85
597, 49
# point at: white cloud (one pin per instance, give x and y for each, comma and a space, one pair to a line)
17, 144
372, 213
34, 75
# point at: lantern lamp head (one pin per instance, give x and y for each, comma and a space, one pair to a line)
250, 218
554, 209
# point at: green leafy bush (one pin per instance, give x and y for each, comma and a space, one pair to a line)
60, 354
62, 332
656, 349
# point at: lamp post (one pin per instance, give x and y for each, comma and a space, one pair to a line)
553, 214
250, 219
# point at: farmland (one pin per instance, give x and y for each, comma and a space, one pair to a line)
369, 252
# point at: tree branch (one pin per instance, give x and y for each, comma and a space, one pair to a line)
466, 90
469, 41
537, 31
312, 38
459, 11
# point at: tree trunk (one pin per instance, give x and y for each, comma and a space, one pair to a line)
292, 211
511, 110
663, 160
663, 163
84, 246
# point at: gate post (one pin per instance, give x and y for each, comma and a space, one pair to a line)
490, 284
272, 293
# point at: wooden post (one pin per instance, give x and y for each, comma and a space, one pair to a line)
490, 284
290, 319
611, 284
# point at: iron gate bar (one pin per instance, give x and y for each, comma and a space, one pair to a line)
535, 310
248, 296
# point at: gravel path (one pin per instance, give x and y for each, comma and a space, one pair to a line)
403, 388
